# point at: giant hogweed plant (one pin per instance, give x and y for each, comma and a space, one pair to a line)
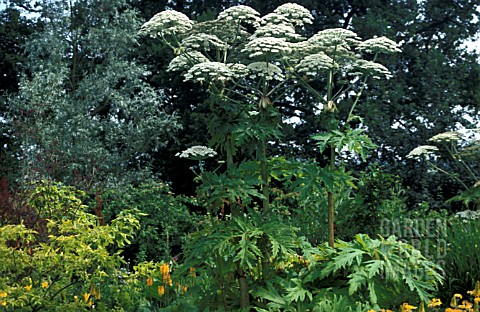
248, 64
462, 149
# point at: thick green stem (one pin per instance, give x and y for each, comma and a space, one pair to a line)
331, 204
242, 278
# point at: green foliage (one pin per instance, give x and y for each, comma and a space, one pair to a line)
377, 270
81, 78
461, 262
222, 247
164, 223
352, 140
377, 197
76, 259
55, 201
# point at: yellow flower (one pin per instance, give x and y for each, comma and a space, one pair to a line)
407, 307
75, 298
161, 290
434, 303
164, 269
3, 294
44, 284
371, 310
476, 300
192, 272
149, 281
3, 303
459, 296
465, 305
90, 303
86, 297
184, 289
449, 310
28, 287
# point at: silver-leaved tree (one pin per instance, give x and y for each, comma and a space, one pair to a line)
248, 64
84, 114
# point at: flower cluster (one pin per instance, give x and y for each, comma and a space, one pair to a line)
468, 215
376, 70
296, 13
167, 23
422, 150
267, 46
379, 45
277, 30
241, 13
334, 37
210, 71
197, 153
204, 41
185, 61
265, 70
446, 137
312, 64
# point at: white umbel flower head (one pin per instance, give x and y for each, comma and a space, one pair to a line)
209, 71
265, 70
186, 60
311, 65
204, 41
277, 30
197, 152
241, 13
379, 45
274, 18
421, 151
295, 13
334, 37
446, 137
167, 23
267, 46
376, 70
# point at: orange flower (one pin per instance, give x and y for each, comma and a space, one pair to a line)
149, 281
3, 303
86, 297
192, 272
164, 269
28, 287
161, 290
3, 294
45, 285
184, 289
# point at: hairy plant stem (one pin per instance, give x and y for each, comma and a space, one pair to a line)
330, 198
242, 278
331, 204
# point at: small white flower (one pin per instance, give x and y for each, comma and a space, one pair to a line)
446, 137
167, 23
241, 13
295, 13
253, 113
421, 151
186, 60
265, 70
197, 152
379, 45
267, 45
